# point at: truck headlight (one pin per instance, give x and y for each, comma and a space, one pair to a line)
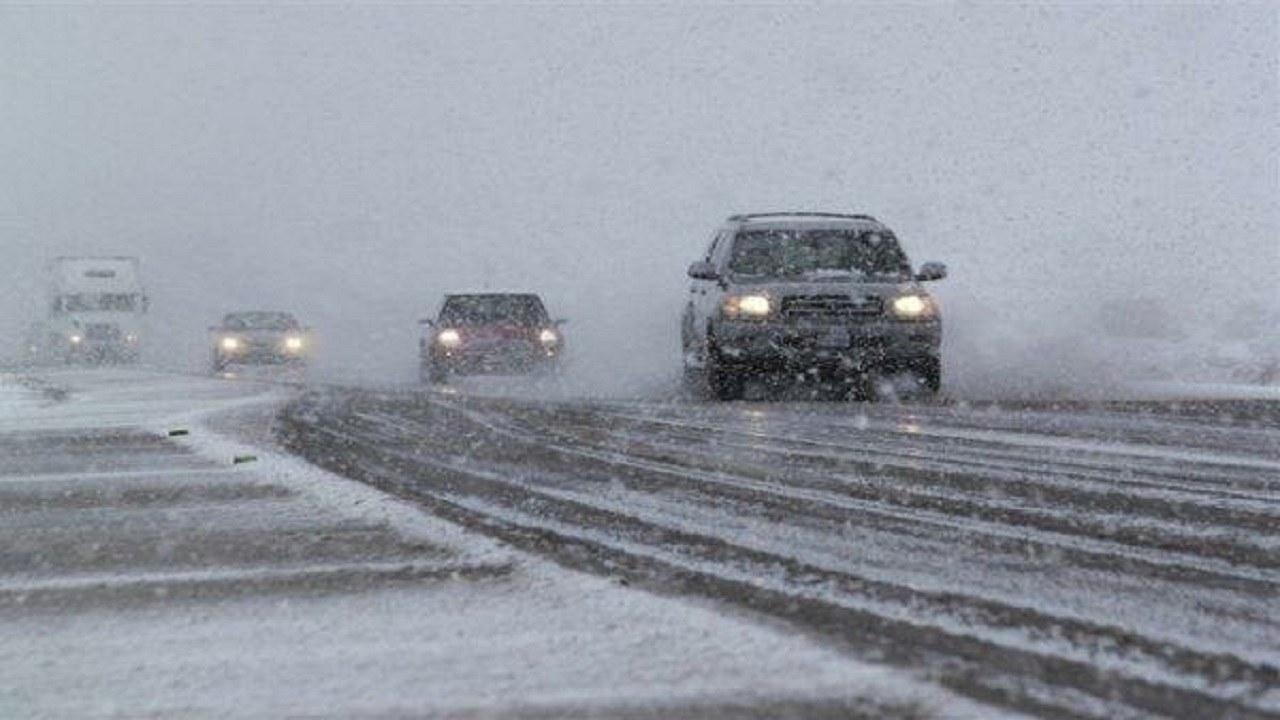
913, 307
293, 343
548, 338
230, 344
449, 338
75, 339
747, 306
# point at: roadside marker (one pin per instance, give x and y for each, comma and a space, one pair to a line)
241, 459
179, 432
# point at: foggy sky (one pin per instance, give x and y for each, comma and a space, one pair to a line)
353, 164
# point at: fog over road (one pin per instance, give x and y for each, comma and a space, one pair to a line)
1080, 560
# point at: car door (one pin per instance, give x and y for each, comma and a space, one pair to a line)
704, 298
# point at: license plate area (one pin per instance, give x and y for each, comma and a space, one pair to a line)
834, 339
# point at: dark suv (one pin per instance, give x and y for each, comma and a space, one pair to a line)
490, 333
823, 296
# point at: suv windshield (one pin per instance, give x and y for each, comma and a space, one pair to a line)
493, 309
260, 321
817, 254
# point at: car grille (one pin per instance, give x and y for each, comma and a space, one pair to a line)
100, 332
821, 307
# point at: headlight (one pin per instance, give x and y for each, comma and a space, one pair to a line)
913, 307
548, 337
293, 343
449, 338
75, 339
230, 343
748, 306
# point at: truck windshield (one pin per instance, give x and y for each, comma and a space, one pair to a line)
100, 302
818, 254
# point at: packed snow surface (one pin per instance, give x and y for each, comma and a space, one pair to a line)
255, 629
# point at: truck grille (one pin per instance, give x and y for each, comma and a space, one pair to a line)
821, 307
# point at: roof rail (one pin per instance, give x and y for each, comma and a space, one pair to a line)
843, 216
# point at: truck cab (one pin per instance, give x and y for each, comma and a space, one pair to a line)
96, 307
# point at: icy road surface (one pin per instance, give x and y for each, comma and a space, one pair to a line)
1094, 561
148, 575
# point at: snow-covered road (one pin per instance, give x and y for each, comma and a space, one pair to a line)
145, 572
1090, 560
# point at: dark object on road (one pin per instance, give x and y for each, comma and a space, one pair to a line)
501, 333
826, 297
260, 338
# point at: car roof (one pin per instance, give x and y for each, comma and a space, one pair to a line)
489, 294
806, 219
258, 313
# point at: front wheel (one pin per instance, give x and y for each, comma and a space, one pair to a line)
725, 383
930, 373
433, 374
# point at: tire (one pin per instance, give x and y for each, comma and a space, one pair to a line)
725, 384
693, 383
930, 372
218, 364
432, 374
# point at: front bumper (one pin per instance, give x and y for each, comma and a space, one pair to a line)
860, 345
495, 360
260, 355
102, 352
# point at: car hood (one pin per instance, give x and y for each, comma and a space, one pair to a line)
830, 287
259, 333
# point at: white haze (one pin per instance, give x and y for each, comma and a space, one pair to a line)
352, 164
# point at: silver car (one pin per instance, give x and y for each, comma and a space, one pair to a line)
259, 338
815, 296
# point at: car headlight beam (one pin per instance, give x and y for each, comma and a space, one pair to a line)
449, 338
913, 307
747, 306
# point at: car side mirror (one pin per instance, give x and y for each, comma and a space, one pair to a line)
703, 270
427, 321
560, 321
931, 271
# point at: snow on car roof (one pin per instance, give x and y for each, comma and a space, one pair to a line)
815, 219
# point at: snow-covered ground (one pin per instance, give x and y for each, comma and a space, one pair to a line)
159, 578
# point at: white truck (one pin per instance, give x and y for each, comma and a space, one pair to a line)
96, 307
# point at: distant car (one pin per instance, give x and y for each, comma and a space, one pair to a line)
498, 333
259, 338
814, 295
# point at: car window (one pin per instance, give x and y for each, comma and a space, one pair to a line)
490, 309
817, 253
260, 321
